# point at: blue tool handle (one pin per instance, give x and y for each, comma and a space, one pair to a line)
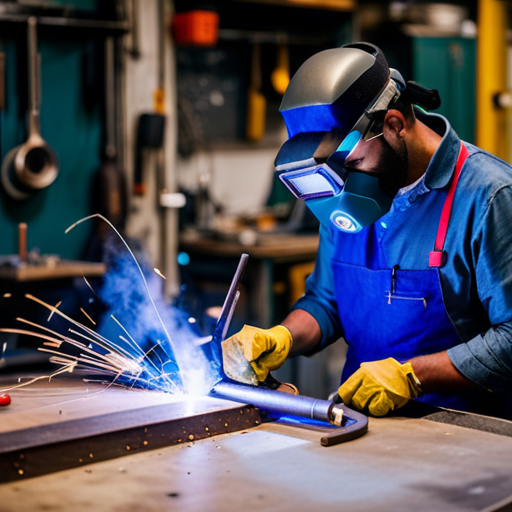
354, 424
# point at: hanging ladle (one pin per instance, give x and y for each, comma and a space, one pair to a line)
280, 77
35, 164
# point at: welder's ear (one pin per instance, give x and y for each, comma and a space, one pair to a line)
395, 124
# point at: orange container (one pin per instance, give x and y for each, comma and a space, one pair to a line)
196, 28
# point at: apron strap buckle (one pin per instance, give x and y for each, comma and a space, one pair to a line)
436, 258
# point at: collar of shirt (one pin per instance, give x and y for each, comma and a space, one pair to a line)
441, 167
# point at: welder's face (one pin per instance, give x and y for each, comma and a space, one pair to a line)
377, 157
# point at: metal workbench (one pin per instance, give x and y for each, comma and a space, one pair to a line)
401, 464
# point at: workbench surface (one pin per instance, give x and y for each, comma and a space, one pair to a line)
402, 464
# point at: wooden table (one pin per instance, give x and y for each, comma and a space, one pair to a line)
61, 269
401, 464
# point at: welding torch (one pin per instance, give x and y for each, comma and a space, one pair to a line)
351, 423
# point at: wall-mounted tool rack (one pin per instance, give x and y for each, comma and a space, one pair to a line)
238, 70
71, 87
63, 17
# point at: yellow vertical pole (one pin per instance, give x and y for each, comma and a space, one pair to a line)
491, 75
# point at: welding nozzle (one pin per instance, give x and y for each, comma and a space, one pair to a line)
336, 415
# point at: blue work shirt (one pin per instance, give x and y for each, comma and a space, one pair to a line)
477, 275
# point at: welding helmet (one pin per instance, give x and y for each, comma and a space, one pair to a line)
337, 98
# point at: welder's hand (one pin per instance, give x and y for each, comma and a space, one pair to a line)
249, 355
379, 387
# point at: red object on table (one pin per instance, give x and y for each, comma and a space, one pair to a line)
5, 399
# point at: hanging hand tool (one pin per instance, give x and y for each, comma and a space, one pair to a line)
134, 51
2, 82
151, 125
111, 184
256, 102
150, 136
352, 424
22, 242
2, 92
33, 165
280, 77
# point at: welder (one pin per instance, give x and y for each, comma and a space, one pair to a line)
414, 266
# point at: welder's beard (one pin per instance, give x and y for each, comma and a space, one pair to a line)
393, 168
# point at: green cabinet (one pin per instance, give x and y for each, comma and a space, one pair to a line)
72, 130
72, 119
449, 65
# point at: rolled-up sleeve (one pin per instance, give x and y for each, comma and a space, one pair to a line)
319, 298
487, 358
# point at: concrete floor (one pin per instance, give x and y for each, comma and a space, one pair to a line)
400, 465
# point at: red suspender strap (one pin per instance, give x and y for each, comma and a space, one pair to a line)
436, 256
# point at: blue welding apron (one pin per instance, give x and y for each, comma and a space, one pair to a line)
395, 312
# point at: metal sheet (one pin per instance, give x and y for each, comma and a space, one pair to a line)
53, 442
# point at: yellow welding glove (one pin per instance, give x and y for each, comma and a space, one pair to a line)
379, 387
249, 355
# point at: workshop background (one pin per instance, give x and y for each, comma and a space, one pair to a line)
137, 139
164, 118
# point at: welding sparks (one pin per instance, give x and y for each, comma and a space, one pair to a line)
90, 287
87, 316
97, 215
119, 356
158, 272
115, 360
51, 314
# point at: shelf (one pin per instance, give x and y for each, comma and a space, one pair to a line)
110, 26
274, 37
331, 5
63, 269
60, 17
